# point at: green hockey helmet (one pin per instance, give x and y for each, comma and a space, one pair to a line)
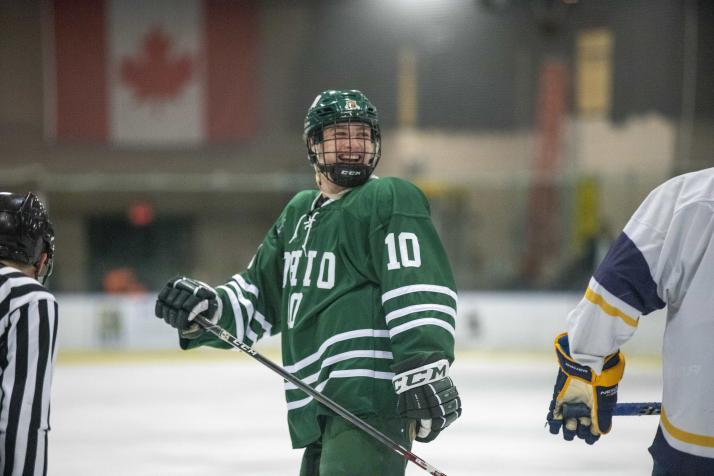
333, 107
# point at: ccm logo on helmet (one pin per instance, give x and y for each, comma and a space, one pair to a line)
421, 376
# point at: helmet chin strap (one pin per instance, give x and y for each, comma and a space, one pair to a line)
39, 266
319, 176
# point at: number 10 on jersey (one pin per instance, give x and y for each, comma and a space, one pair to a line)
407, 255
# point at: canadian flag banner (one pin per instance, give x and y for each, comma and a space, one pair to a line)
152, 73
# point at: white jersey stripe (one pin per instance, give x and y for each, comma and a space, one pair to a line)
26, 367
252, 336
310, 359
237, 313
420, 308
16, 282
418, 288
353, 354
20, 301
247, 287
429, 321
247, 305
260, 319
342, 374
252, 313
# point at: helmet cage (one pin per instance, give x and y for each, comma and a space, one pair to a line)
344, 170
26, 232
343, 107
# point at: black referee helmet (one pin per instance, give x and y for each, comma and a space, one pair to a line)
25, 230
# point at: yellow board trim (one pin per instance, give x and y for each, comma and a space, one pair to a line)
608, 308
691, 438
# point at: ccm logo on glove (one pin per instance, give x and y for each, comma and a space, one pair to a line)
421, 376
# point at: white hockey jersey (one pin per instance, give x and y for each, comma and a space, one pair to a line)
665, 256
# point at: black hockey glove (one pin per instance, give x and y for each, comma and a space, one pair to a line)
182, 299
428, 395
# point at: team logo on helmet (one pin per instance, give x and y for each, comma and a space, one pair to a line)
351, 105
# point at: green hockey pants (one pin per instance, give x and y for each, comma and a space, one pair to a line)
345, 450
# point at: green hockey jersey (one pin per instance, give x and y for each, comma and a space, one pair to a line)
354, 286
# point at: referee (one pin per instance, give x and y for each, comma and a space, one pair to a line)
28, 330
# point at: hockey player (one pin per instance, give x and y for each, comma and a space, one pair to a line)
665, 256
28, 328
354, 277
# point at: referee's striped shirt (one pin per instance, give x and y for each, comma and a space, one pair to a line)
28, 331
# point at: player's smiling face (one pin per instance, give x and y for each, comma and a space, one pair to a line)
346, 143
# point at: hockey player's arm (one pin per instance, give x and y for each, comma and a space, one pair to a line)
624, 287
419, 304
246, 306
634, 277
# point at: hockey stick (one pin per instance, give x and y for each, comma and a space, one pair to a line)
226, 337
577, 410
638, 408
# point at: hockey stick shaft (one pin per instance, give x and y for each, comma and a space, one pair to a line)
578, 410
637, 408
226, 337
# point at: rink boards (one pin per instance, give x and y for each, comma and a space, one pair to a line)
491, 321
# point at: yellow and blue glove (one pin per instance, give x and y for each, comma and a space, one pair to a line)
583, 401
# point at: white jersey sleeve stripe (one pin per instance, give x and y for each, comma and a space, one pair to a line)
251, 336
247, 305
429, 321
253, 315
420, 308
416, 288
237, 313
260, 319
247, 287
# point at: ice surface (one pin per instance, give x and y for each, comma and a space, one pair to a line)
227, 417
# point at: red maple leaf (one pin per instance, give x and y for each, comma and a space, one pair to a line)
153, 73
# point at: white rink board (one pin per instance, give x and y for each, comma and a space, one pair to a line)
502, 321
227, 417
